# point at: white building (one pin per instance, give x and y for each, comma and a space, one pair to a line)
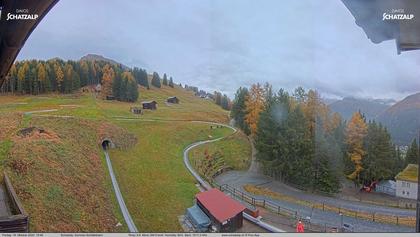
407, 182
386, 186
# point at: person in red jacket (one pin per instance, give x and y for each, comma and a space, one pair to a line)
300, 228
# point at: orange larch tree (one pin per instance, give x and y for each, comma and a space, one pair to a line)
355, 133
107, 80
254, 104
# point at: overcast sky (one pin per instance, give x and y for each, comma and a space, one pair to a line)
224, 44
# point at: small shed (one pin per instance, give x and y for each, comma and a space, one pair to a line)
173, 100
136, 110
198, 218
387, 187
149, 105
225, 213
110, 97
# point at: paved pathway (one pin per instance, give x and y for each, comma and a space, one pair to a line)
238, 179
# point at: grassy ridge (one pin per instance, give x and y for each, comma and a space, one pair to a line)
60, 178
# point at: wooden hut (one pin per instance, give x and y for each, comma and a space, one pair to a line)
152, 105
224, 212
172, 100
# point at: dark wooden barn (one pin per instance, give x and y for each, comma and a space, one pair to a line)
173, 100
224, 212
149, 105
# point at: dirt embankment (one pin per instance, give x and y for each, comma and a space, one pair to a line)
58, 172
9, 122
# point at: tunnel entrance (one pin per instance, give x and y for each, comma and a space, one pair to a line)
106, 144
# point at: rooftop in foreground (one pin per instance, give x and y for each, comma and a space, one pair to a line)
221, 206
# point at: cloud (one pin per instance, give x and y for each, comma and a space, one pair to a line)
222, 45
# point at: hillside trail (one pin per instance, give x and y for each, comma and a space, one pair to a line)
254, 168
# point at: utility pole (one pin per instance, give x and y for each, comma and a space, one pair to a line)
418, 193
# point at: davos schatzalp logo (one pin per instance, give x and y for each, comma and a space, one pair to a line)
397, 14
21, 14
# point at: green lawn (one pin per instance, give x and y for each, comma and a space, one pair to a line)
234, 151
154, 182
152, 177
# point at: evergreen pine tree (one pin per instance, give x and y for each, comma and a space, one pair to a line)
412, 156
165, 80
156, 80
238, 110
171, 82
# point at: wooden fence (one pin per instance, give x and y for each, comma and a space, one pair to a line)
19, 220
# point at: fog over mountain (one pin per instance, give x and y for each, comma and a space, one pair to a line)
403, 119
371, 108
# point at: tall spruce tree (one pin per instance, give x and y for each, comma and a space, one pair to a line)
165, 80
171, 82
412, 156
225, 103
379, 160
238, 110
156, 80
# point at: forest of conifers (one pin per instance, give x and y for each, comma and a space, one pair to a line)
300, 141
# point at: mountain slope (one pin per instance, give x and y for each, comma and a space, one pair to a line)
96, 57
370, 108
403, 119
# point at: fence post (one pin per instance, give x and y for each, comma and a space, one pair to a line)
323, 208
242, 196
295, 214
278, 210
397, 221
373, 217
253, 201
264, 203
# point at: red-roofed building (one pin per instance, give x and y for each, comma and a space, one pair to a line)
224, 212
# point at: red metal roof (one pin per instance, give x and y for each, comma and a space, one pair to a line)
221, 206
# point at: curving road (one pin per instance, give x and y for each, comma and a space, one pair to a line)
207, 186
238, 179
127, 217
201, 181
